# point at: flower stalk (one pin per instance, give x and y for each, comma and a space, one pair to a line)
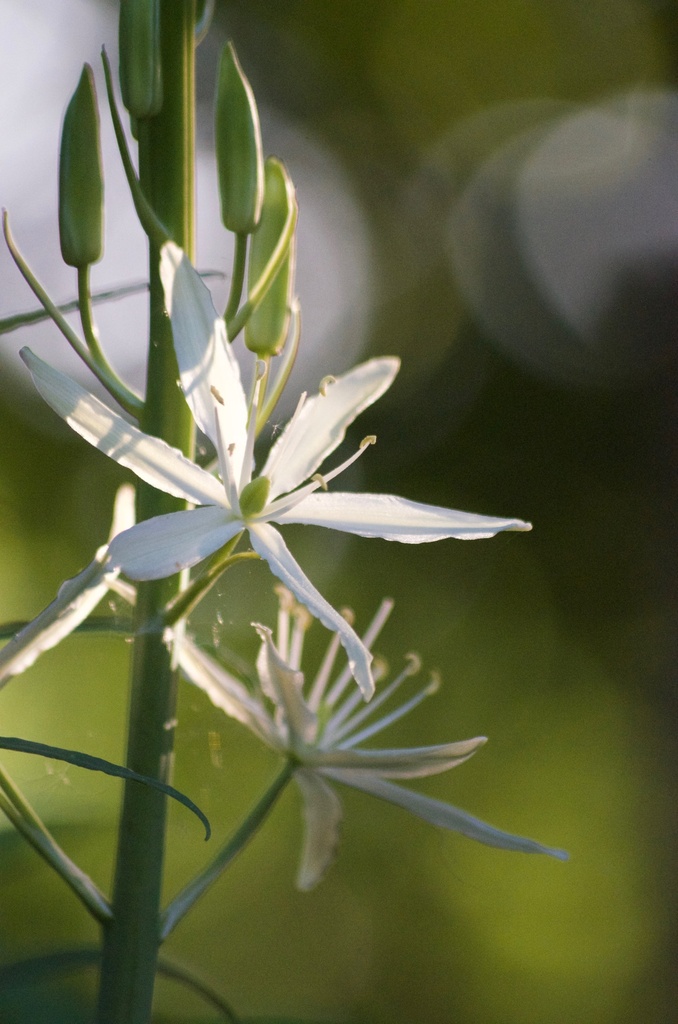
130, 952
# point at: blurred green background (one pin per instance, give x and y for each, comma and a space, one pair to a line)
511, 171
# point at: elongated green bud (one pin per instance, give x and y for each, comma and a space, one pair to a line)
240, 163
266, 329
140, 63
81, 181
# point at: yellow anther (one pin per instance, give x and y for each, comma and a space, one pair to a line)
285, 597
348, 615
320, 479
434, 684
413, 663
379, 667
217, 395
370, 439
325, 383
302, 617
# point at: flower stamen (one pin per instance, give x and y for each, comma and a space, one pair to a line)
341, 725
373, 630
302, 621
224, 455
280, 449
286, 605
289, 501
248, 458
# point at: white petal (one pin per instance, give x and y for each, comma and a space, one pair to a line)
204, 355
441, 814
124, 514
164, 545
268, 543
75, 600
393, 518
322, 819
150, 458
226, 692
406, 763
284, 685
322, 422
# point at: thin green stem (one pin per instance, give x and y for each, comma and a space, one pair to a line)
274, 390
185, 602
256, 295
148, 218
237, 276
131, 940
89, 329
183, 902
17, 808
87, 317
127, 399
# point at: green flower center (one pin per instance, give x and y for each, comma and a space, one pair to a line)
254, 496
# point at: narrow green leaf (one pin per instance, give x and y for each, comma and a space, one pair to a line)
97, 624
98, 764
30, 972
36, 316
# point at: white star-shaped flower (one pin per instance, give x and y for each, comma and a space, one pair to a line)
320, 727
287, 489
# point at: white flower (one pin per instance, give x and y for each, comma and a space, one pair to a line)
286, 490
319, 728
76, 599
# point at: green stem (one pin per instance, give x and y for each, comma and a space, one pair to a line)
274, 390
148, 218
106, 372
237, 277
183, 902
255, 297
127, 399
130, 951
186, 601
17, 808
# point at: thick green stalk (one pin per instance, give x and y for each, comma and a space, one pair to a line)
131, 940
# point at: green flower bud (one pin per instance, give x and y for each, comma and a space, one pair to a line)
254, 496
240, 163
266, 329
81, 182
140, 64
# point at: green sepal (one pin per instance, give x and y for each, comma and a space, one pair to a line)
237, 136
266, 329
98, 764
81, 180
140, 64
